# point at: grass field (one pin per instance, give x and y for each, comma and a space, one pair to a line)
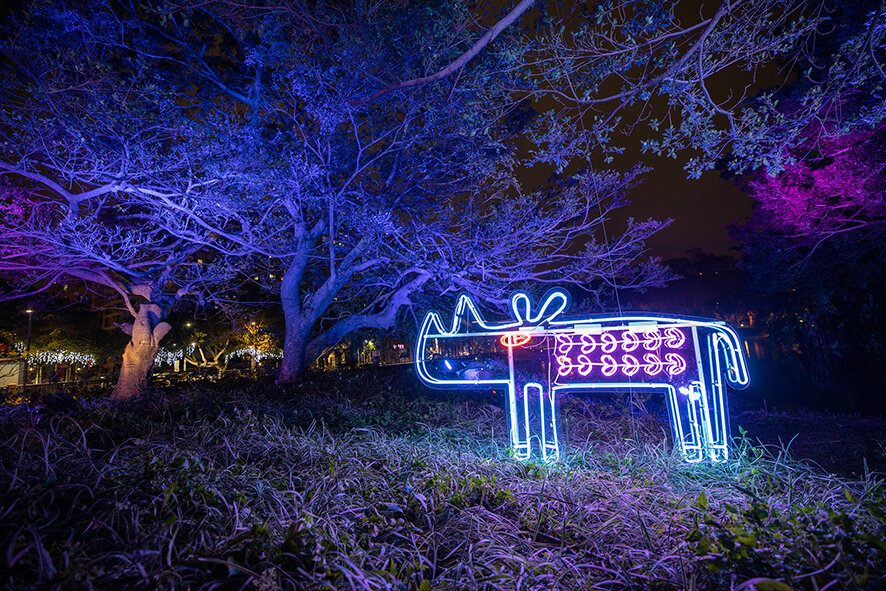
357, 481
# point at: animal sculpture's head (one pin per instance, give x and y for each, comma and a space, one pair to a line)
466, 350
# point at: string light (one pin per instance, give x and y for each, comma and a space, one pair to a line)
171, 357
57, 356
255, 353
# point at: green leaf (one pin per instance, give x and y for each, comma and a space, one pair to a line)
702, 501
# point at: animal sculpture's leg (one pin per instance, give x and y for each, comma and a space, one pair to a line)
685, 425
719, 446
547, 420
706, 404
716, 411
518, 416
717, 432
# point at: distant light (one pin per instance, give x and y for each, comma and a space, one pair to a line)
188, 324
29, 311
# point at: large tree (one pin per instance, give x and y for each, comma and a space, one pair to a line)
357, 206
366, 153
91, 140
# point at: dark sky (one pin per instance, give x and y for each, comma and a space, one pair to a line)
701, 209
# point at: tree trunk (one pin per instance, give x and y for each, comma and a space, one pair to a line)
138, 359
295, 346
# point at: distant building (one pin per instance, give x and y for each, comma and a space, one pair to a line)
383, 351
12, 371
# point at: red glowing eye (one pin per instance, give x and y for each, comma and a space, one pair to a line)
515, 340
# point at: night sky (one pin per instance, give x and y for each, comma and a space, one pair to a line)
701, 209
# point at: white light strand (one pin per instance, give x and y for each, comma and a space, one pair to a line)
257, 354
56, 356
170, 357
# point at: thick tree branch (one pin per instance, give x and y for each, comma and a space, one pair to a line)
73, 199
383, 319
464, 58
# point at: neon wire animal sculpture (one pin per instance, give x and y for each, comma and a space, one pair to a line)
542, 354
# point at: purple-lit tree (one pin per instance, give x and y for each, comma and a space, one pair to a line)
90, 140
356, 207
813, 249
834, 193
123, 179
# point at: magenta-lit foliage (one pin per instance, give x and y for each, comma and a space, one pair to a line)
813, 251
838, 190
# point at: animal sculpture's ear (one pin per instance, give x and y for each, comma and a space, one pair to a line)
433, 323
521, 307
552, 305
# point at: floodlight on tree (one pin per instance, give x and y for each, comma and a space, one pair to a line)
537, 357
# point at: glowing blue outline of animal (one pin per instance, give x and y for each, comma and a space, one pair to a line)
698, 410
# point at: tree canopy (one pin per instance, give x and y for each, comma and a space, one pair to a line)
353, 157
171, 148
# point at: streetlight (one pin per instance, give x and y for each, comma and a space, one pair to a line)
30, 313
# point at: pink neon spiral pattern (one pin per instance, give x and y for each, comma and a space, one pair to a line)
650, 363
630, 341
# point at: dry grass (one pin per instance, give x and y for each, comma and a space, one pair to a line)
350, 483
